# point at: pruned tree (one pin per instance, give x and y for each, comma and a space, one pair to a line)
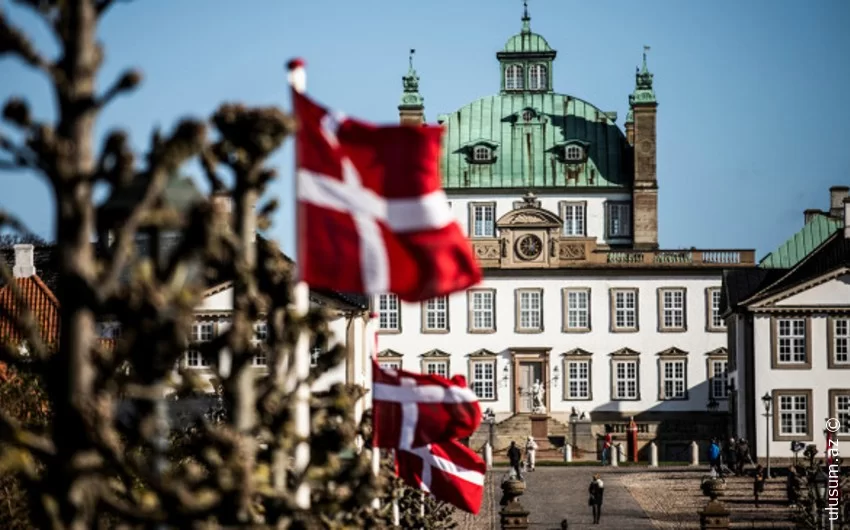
89, 469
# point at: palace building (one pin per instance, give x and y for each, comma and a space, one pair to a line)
561, 207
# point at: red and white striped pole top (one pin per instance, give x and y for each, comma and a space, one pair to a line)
297, 75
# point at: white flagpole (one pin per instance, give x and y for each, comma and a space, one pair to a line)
422, 503
396, 515
301, 356
376, 453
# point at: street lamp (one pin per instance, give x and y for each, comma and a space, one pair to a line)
490, 418
573, 421
820, 486
767, 401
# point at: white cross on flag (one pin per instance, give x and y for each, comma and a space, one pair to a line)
372, 215
413, 410
449, 471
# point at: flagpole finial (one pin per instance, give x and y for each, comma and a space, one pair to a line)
297, 76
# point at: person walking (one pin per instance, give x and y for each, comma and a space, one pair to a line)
731, 455
758, 483
714, 457
515, 457
606, 447
595, 493
531, 452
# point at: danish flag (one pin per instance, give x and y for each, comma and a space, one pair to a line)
413, 410
448, 470
372, 215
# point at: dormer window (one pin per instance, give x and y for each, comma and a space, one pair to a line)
537, 78
482, 153
514, 77
573, 153
528, 115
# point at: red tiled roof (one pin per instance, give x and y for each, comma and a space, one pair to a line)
41, 302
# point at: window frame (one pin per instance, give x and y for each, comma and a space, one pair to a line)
426, 310
436, 357
562, 210
672, 356
843, 418
579, 154
389, 356
514, 72
492, 223
774, 343
832, 336
565, 303
518, 328
624, 356
481, 149
577, 355
534, 80
612, 310
470, 310
711, 358
661, 309
777, 415
709, 311
610, 206
490, 360
389, 330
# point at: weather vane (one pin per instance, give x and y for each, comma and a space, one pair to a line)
525, 8
412, 51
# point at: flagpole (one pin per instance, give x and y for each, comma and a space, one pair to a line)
376, 452
300, 367
396, 515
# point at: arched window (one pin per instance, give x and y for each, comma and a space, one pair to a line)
528, 115
513, 77
537, 79
574, 153
482, 153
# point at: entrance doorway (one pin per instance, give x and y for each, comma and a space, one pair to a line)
528, 373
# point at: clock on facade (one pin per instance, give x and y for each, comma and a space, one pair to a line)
529, 247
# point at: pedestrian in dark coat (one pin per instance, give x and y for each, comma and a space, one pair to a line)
732, 455
595, 492
758, 483
515, 457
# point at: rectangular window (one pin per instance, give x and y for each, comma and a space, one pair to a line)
260, 359
435, 314
261, 332
202, 332
482, 220
841, 402
793, 414
577, 309
573, 215
840, 343
625, 380
671, 305
390, 365
619, 219
482, 310
718, 378
315, 353
624, 310
483, 379
791, 341
712, 310
578, 379
673, 379
194, 359
388, 313
437, 367
530, 310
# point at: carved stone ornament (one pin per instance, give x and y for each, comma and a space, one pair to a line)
571, 251
529, 247
486, 250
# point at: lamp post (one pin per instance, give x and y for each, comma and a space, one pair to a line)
767, 401
573, 421
820, 494
490, 418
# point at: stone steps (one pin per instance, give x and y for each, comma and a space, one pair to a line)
517, 428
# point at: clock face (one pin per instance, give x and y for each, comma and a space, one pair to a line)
529, 247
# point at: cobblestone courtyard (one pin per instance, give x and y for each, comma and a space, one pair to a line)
635, 498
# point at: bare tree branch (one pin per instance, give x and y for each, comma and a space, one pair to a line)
14, 42
127, 82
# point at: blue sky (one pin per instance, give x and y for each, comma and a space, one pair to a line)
752, 117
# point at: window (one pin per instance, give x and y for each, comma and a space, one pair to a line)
261, 332
513, 77
671, 309
839, 402
389, 318
435, 315
577, 385
436, 367
673, 379
790, 343
389, 359
537, 77
576, 310
625, 374
573, 153
624, 310
315, 353
482, 219
838, 337
619, 219
260, 359
712, 310
390, 365
529, 310
528, 115
482, 310
194, 359
718, 378
792, 414
573, 214
483, 378
482, 153
202, 332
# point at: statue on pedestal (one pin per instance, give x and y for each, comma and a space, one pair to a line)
537, 393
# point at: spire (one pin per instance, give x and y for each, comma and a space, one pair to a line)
643, 92
410, 97
526, 20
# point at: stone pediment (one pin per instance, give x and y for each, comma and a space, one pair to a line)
435, 353
529, 217
577, 352
624, 352
718, 352
483, 352
672, 352
389, 353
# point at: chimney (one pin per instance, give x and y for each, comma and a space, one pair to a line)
837, 194
24, 261
846, 217
810, 214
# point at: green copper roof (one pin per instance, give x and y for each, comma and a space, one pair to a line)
643, 92
801, 244
528, 147
410, 97
527, 43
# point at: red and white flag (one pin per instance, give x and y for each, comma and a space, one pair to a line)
413, 410
372, 215
451, 472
